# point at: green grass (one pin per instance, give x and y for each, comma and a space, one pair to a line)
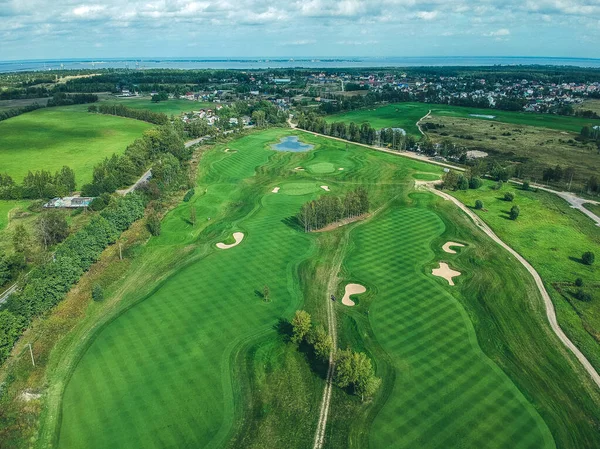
5, 209
51, 138
446, 393
552, 237
595, 208
171, 106
406, 115
198, 362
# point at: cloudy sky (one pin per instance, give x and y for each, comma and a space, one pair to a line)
182, 28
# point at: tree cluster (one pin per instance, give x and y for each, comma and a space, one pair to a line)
461, 181
354, 370
39, 185
328, 209
62, 99
48, 283
157, 118
161, 147
316, 336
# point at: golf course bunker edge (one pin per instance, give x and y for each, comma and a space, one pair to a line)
352, 289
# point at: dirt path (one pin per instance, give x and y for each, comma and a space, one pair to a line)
9, 291
331, 324
421, 119
550, 312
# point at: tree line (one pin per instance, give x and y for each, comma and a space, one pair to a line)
41, 184
156, 118
328, 209
353, 370
48, 283
161, 147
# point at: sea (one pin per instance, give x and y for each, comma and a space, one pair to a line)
284, 62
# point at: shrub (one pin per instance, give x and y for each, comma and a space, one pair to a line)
509, 196
582, 295
153, 224
97, 293
579, 282
475, 182
498, 185
463, 183
478, 204
189, 194
588, 258
514, 212
525, 185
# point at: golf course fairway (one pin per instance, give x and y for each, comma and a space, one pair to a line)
202, 360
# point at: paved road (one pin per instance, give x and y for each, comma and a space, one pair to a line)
4, 296
550, 312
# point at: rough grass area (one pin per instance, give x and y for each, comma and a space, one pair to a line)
7, 208
595, 208
171, 106
590, 105
51, 138
15, 104
406, 115
529, 148
552, 237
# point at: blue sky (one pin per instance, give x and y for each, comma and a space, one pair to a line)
48, 29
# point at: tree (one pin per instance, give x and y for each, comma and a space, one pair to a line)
354, 369
301, 324
52, 228
193, 216
514, 212
509, 196
97, 293
475, 182
266, 293
21, 240
478, 204
525, 185
153, 224
450, 180
588, 258
579, 282
463, 183
321, 342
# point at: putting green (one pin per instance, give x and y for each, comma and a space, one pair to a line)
322, 167
299, 188
446, 393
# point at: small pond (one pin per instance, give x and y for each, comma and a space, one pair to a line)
291, 143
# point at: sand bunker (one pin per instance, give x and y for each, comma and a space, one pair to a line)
326, 188
340, 168
447, 246
275, 190
238, 236
299, 169
227, 150
444, 271
352, 289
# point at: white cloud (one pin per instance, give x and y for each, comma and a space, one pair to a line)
427, 15
499, 33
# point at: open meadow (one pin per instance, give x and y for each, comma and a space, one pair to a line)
50, 138
170, 107
406, 115
195, 356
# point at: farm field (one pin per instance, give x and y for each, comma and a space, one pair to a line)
14, 104
171, 106
51, 138
552, 237
405, 115
199, 360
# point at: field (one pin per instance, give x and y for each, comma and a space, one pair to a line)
51, 138
552, 237
201, 360
590, 105
406, 115
14, 104
169, 107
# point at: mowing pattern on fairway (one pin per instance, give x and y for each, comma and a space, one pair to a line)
158, 376
446, 393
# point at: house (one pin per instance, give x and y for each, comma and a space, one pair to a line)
69, 202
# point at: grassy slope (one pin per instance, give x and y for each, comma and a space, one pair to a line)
169, 107
50, 138
276, 409
552, 237
6, 207
405, 115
